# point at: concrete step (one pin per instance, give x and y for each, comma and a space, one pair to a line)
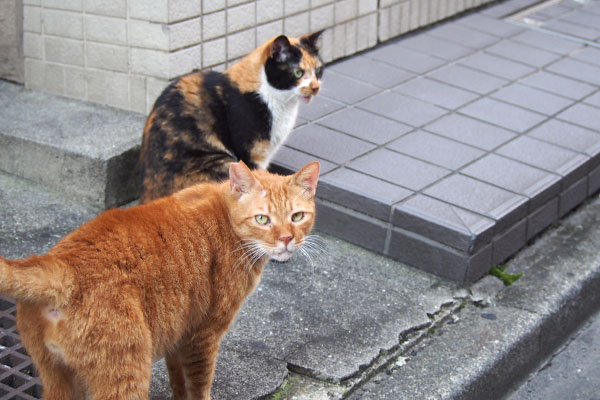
87, 151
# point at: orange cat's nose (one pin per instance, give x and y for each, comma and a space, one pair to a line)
286, 239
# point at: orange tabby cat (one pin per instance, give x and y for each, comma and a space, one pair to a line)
162, 279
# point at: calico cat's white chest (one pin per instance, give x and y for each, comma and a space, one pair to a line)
283, 105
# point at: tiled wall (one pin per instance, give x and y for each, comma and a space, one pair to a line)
123, 52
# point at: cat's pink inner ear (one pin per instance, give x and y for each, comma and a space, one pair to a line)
308, 177
241, 180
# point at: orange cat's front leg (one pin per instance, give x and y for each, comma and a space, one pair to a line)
198, 359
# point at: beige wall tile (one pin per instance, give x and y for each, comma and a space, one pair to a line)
212, 5
268, 10
148, 35
322, 18
240, 17
105, 29
154, 63
75, 82
268, 31
297, 25
213, 25
109, 8
54, 79
107, 56
214, 52
241, 43
62, 23
75, 5
185, 60
295, 6
184, 34
33, 46
137, 94
34, 74
149, 10
183, 9
63, 51
32, 19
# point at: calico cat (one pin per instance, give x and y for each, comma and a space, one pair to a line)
161, 279
203, 121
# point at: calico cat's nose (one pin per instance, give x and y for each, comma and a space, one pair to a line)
315, 86
286, 239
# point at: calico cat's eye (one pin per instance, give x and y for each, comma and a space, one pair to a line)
298, 73
262, 219
298, 216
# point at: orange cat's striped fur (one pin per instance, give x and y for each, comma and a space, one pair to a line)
162, 279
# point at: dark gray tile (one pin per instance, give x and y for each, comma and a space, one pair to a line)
589, 54
570, 29
570, 165
371, 71
436, 149
470, 131
532, 99
361, 192
594, 181
578, 70
402, 108
542, 218
529, 181
365, 125
436, 47
581, 17
462, 35
437, 258
490, 25
351, 226
467, 78
318, 107
594, 99
584, 115
444, 223
435, 92
345, 89
288, 160
558, 84
573, 196
497, 66
509, 242
523, 53
479, 264
503, 114
547, 42
568, 136
398, 169
403, 57
499, 204
327, 144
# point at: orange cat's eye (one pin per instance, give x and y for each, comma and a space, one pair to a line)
262, 219
298, 216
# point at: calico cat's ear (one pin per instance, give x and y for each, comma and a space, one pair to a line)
281, 49
308, 177
311, 40
241, 180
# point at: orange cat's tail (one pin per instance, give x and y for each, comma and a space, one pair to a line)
36, 279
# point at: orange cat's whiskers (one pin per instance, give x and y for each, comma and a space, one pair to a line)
313, 248
252, 251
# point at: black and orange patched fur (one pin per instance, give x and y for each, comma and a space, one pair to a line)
204, 121
161, 279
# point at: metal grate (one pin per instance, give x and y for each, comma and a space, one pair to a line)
18, 379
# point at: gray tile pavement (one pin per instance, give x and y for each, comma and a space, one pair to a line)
452, 147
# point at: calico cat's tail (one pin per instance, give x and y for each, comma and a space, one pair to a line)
36, 279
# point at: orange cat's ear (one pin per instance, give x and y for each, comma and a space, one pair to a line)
308, 177
241, 179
